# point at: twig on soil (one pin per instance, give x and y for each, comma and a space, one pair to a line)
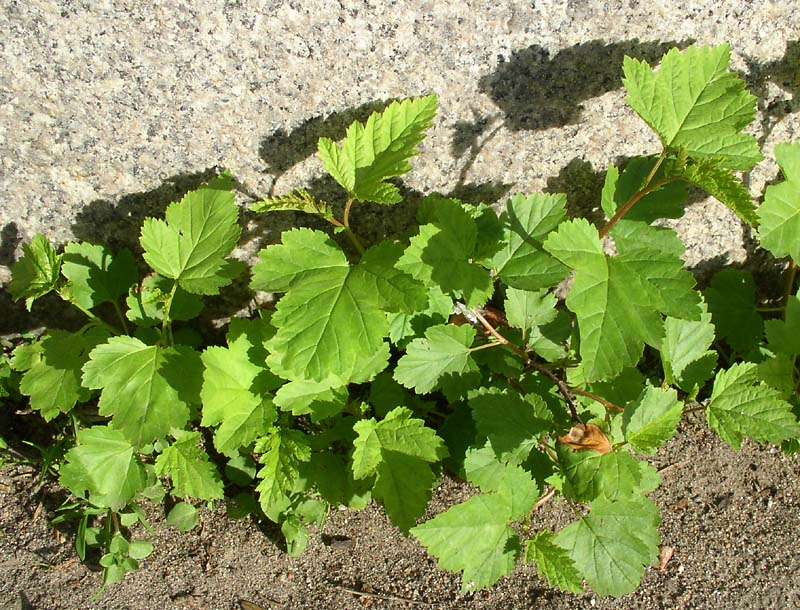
671, 466
543, 500
388, 598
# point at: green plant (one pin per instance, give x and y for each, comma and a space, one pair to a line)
380, 365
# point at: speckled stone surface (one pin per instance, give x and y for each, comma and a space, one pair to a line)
109, 109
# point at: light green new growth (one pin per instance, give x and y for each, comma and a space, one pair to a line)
694, 102
37, 272
373, 152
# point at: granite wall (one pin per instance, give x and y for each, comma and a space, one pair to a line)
109, 110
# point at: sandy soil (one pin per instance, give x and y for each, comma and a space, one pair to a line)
732, 519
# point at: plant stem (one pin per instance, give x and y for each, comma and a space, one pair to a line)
648, 188
346, 226
94, 318
607, 404
166, 326
528, 362
121, 317
787, 291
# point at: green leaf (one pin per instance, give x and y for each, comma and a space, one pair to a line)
282, 451
553, 563
694, 102
192, 473
36, 273
779, 215
95, 276
331, 322
199, 233
379, 149
443, 250
529, 311
103, 463
399, 450
146, 302
473, 537
613, 543
527, 220
147, 389
784, 335
615, 309
741, 405
482, 468
140, 549
53, 381
182, 516
731, 299
311, 397
303, 254
512, 422
398, 291
615, 475
444, 350
652, 419
236, 390
687, 361
403, 327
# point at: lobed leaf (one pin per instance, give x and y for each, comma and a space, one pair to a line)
192, 473
473, 537
103, 464
442, 252
651, 420
527, 220
615, 309
741, 405
553, 563
779, 215
611, 546
95, 276
200, 231
236, 389
399, 450
146, 389
444, 350
283, 451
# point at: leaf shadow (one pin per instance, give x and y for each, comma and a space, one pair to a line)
535, 90
286, 147
785, 74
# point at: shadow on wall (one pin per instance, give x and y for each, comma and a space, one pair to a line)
285, 148
537, 91
118, 224
785, 73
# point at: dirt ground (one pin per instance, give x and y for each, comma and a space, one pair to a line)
732, 519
